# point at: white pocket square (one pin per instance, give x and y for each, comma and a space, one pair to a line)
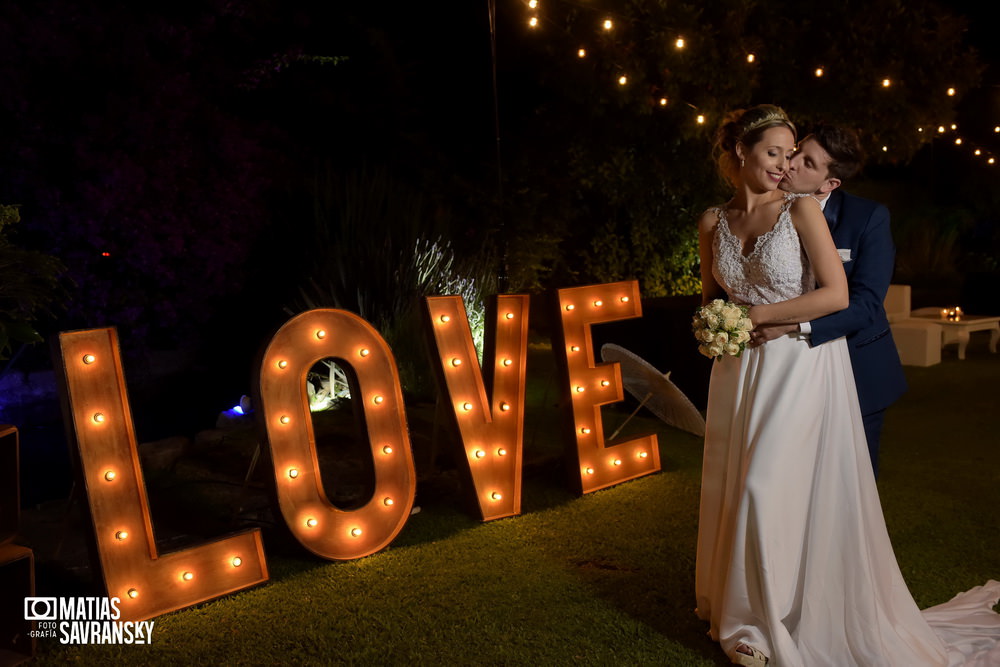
845, 254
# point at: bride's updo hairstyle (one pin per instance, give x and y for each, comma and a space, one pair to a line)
745, 126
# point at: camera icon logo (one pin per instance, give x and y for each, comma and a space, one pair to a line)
40, 609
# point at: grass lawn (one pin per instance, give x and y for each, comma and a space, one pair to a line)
604, 579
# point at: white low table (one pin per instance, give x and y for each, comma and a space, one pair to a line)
958, 330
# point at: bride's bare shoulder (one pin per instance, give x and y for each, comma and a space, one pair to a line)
710, 218
805, 203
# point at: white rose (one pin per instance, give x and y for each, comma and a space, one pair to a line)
732, 349
745, 323
722, 338
732, 311
704, 349
717, 305
706, 336
715, 350
731, 323
741, 337
712, 320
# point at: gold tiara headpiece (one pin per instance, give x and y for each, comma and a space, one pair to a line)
775, 115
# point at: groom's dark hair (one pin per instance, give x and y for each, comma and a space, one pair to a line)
844, 148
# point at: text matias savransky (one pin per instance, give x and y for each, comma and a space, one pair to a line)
85, 620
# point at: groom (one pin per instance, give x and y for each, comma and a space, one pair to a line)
860, 229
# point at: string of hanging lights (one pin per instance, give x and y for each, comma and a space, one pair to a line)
608, 22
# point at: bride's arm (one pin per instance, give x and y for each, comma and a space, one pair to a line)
832, 294
706, 233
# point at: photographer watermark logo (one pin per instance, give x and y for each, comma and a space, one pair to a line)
84, 620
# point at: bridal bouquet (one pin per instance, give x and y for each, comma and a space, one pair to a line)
721, 328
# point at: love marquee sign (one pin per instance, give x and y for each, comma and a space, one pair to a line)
488, 421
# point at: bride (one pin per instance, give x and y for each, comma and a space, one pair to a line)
794, 563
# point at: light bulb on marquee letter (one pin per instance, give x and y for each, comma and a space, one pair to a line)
317, 524
575, 356
465, 384
107, 463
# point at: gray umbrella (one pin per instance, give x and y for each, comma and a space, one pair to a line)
655, 391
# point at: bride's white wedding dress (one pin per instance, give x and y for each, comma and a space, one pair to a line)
793, 553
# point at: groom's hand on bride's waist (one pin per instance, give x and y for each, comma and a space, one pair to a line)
766, 332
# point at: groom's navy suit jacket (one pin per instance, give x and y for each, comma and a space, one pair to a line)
862, 226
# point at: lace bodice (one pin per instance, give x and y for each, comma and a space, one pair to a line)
775, 270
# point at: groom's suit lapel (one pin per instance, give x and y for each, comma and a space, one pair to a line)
832, 209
